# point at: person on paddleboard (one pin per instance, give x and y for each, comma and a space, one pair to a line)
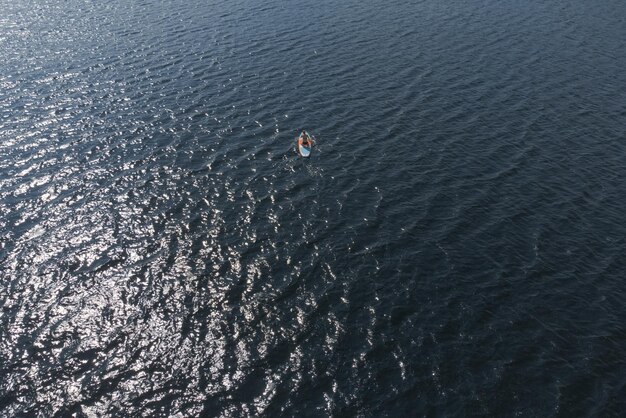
306, 141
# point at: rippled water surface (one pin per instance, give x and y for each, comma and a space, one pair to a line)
454, 246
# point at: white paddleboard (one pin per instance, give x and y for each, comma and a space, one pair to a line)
302, 150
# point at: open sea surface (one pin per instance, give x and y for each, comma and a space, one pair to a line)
455, 245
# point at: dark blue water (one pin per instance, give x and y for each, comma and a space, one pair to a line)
455, 245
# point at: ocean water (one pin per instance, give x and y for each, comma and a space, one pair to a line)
455, 245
